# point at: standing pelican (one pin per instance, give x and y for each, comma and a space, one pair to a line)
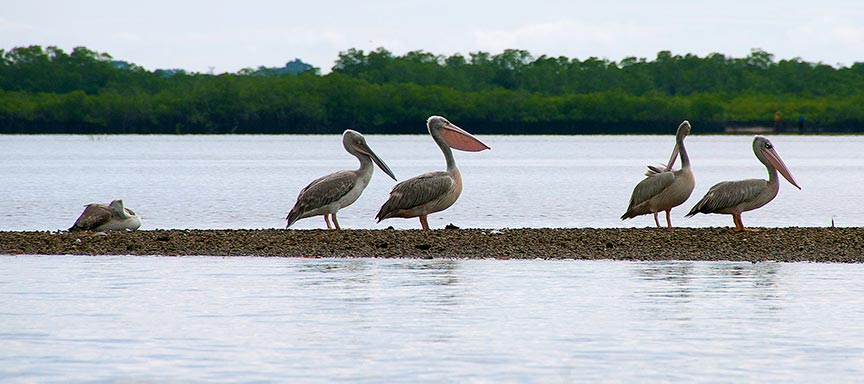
111, 217
433, 191
328, 194
664, 189
735, 197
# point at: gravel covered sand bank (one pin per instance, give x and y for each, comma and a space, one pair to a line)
763, 244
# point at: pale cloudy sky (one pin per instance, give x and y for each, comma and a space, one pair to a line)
230, 35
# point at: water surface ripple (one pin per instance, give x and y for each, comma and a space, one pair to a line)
210, 319
246, 182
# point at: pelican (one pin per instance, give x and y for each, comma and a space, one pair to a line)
735, 197
664, 189
433, 191
111, 217
328, 194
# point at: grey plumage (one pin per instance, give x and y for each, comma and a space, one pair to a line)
106, 217
93, 216
321, 192
727, 194
415, 192
653, 170
649, 187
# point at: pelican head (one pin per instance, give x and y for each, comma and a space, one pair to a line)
683, 129
766, 153
453, 136
118, 208
356, 145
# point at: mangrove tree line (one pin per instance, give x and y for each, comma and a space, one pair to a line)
82, 91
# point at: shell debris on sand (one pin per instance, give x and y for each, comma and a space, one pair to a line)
765, 244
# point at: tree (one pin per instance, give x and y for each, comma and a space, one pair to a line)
50, 90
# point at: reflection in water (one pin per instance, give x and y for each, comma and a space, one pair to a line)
403, 320
757, 274
674, 278
346, 271
436, 271
756, 281
675, 290
334, 265
349, 280
437, 281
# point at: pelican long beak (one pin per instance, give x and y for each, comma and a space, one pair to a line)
458, 138
364, 148
673, 157
781, 167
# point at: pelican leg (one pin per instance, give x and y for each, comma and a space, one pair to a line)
669, 218
336, 223
739, 226
327, 219
656, 221
424, 223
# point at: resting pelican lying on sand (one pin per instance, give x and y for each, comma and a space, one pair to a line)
328, 194
433, 191
664, 189
111, 217
735, 197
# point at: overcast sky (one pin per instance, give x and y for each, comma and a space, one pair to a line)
230, 35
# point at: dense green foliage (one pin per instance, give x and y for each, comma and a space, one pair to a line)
48, 90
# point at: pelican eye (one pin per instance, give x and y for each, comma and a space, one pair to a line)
768, 145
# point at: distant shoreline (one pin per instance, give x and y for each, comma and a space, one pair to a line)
727, 131
841, 245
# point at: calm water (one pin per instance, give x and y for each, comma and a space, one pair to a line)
195, 319
524, 181
206, 319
